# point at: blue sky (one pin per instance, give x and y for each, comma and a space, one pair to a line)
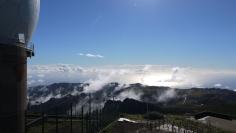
198, 33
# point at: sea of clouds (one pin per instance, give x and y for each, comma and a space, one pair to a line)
156, 75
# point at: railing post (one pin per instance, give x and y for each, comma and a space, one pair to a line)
25, 121
43, 122
101, 119
82, 119
97, 121
89, 118
56, 120
86, 123
163, 123
71, 118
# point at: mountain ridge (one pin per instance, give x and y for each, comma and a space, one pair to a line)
179, 100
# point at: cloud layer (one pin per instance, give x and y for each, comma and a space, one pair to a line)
155, 75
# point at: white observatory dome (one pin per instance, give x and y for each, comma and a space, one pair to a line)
18, 19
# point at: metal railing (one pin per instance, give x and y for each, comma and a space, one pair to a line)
72, 122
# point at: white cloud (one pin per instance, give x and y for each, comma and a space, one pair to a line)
168, 94
40, 75
97, 83
157, 75
31, 82
129, 94
227, 87
42, 99
218, 85
94, 56
91, 55
40, 81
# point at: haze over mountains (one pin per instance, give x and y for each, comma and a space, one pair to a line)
181, 100
183, 89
